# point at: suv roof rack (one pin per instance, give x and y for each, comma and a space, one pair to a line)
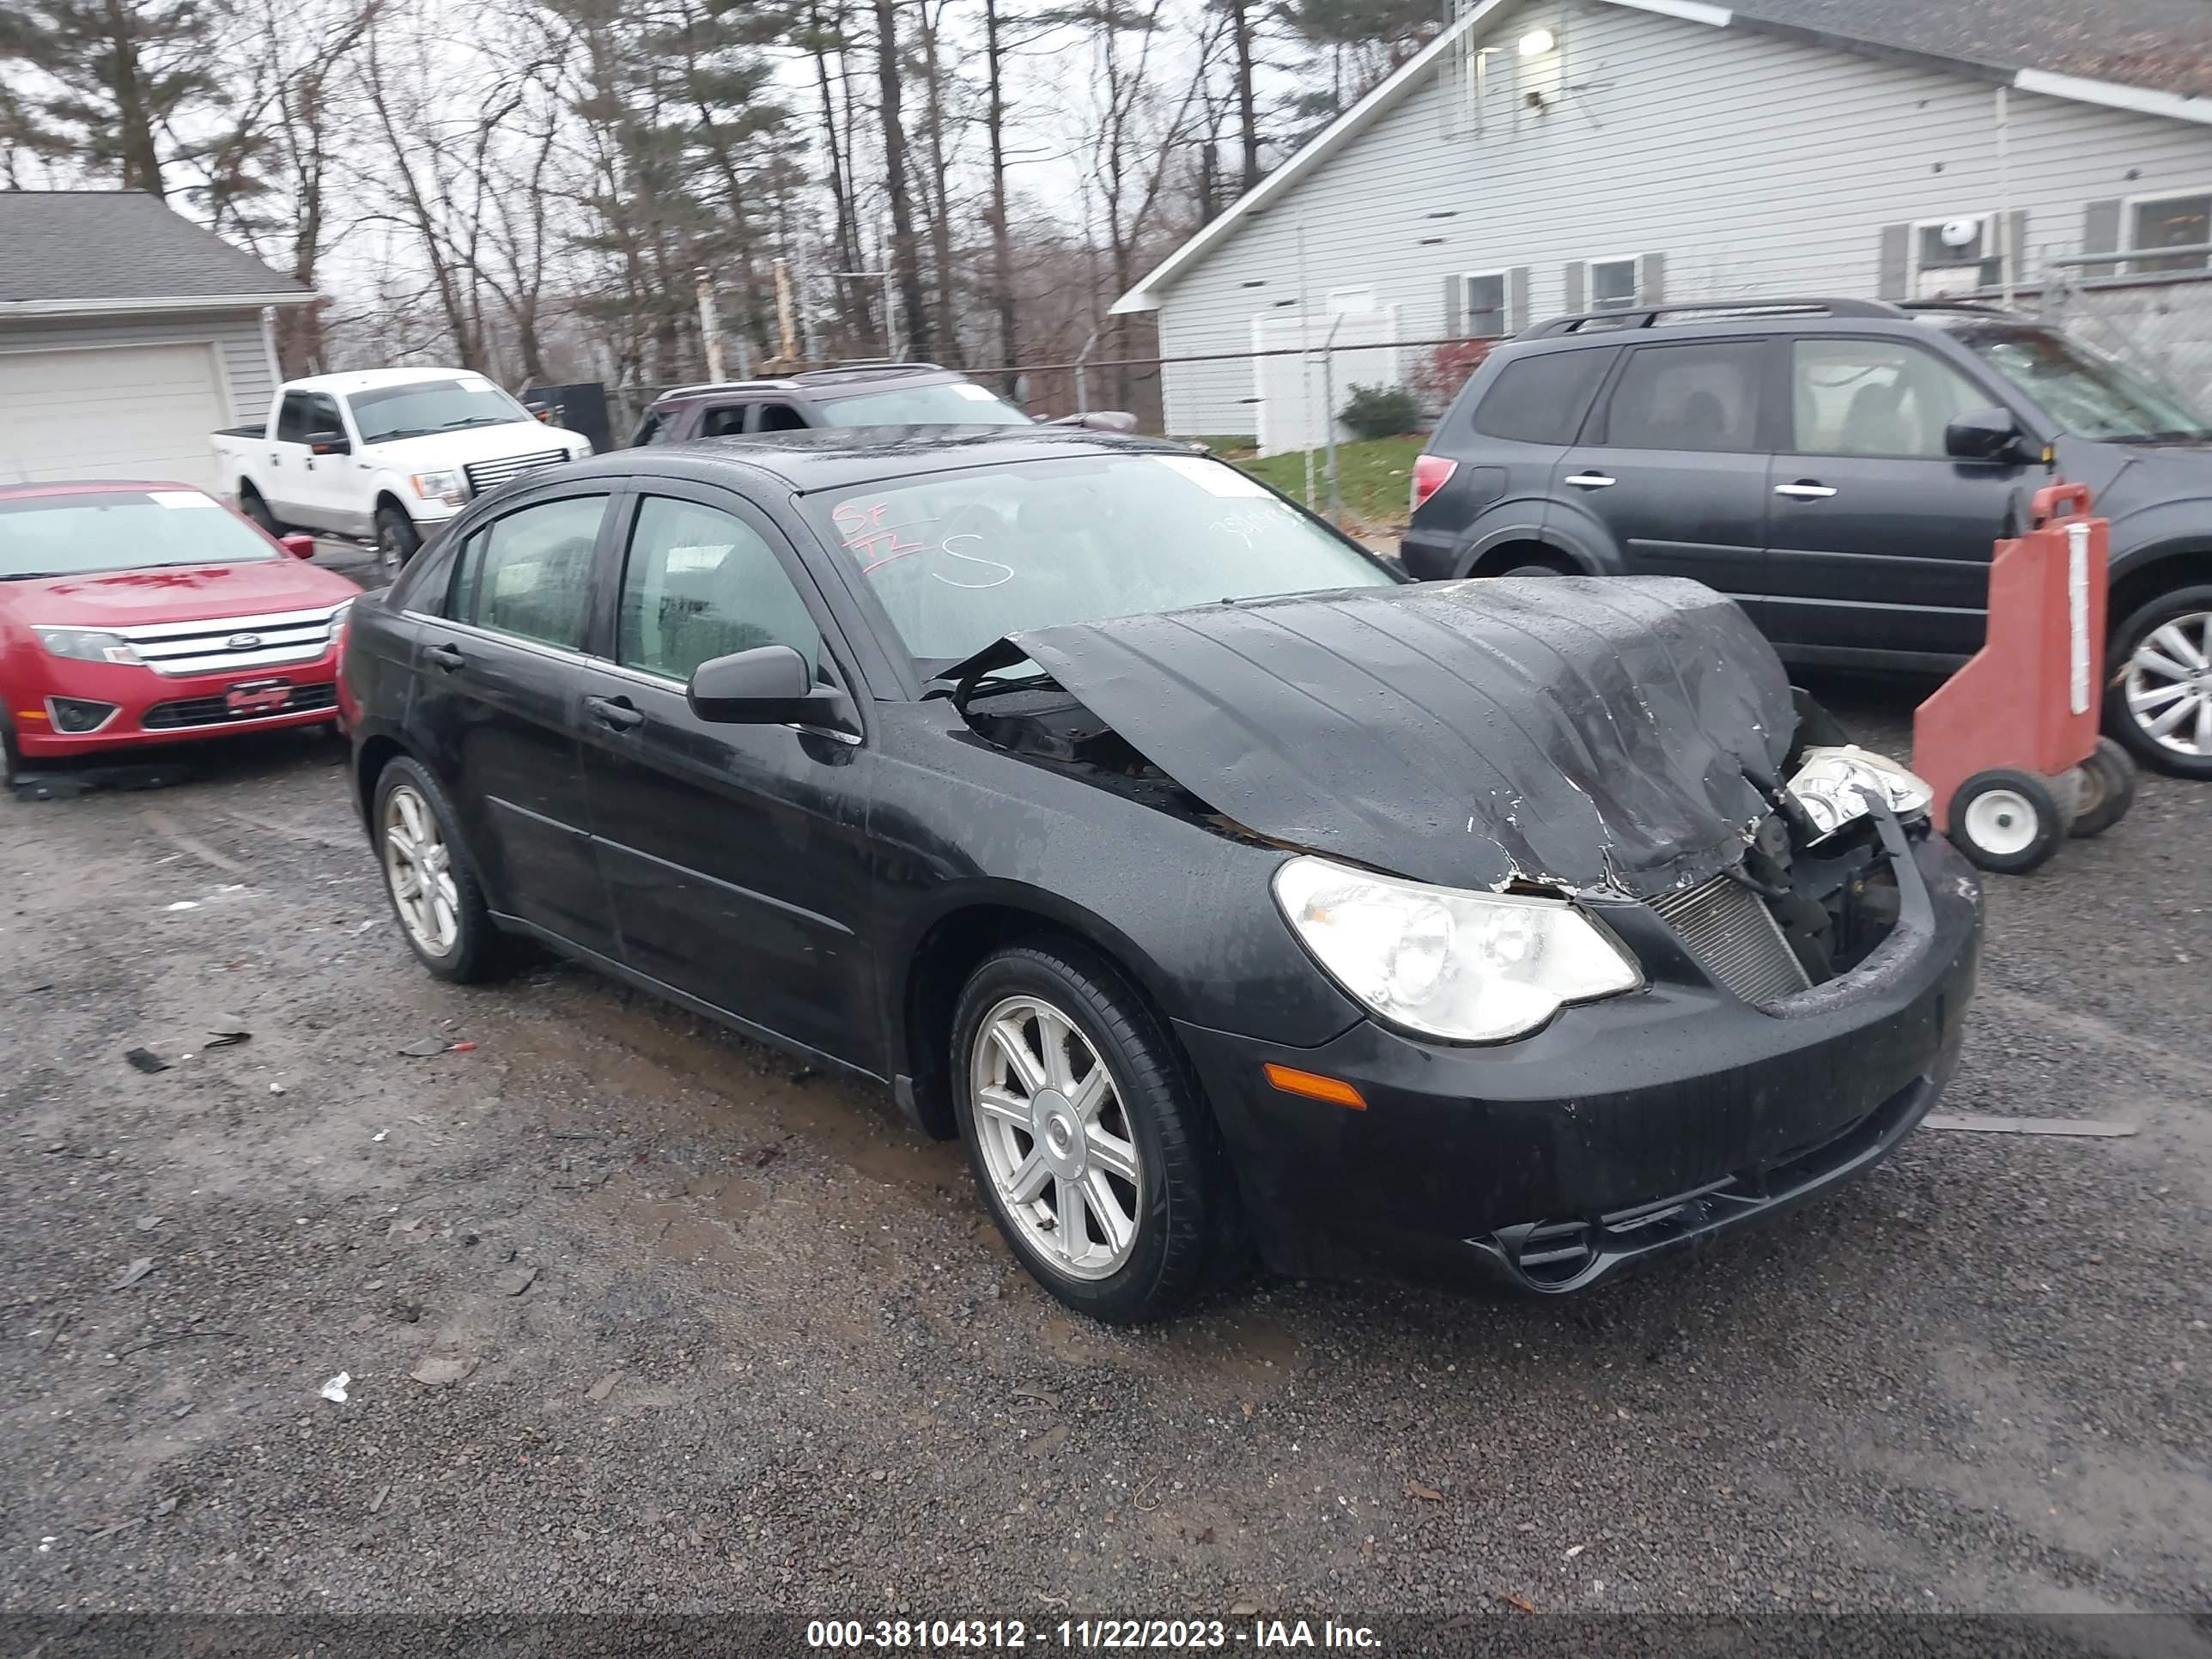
864, 368
723, 386
1648, 316
1972, 307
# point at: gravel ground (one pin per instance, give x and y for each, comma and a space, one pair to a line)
724, 1336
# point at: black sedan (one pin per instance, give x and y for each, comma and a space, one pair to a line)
1218, 887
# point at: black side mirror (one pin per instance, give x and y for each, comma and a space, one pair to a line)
768, 685
1983, 434
328, 443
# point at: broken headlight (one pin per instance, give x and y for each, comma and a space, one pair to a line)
1467, 967
1829, 779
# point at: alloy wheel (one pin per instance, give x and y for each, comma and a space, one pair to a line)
2169, 684
1055, 1137
419, 867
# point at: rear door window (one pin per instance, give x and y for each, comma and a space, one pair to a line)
1541, 399
293, 419
727, 421
529, 574
1703, 396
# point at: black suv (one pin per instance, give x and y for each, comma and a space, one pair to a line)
1841, 468
856, 394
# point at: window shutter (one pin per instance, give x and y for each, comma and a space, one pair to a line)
1651, 279
2101, 234
1517, 298
1576, 287
2023, 273
1891, 275
1454, 326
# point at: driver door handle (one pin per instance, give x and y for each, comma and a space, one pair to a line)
1804, 491
447, 657
1589, 481
616, 713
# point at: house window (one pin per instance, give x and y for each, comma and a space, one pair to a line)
2173, 221
1486, 305
1341, 301
1955, 256
1612, 283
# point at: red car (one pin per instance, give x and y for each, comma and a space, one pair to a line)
148, 613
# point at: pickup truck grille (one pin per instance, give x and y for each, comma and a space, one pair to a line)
484, 476
1729, 929
226, 644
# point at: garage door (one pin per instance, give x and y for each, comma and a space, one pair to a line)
125, 412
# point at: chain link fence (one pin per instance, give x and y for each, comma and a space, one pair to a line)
2153, 312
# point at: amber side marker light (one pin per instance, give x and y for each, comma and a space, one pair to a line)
1314, 1087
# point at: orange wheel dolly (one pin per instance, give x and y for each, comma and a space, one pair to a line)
2010, 743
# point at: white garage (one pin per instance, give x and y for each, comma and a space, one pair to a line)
111, 412
127, 335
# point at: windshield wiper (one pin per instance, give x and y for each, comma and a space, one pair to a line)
473, 420
36, 575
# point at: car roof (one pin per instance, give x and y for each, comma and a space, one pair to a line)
89, 487
834, 458
371, 380
843, 382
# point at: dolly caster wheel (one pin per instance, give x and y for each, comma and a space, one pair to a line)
2108, 789
2007, 821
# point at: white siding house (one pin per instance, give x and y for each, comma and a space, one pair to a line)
1553, 155
127, 335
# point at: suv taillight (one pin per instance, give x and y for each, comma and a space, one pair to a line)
1431, 473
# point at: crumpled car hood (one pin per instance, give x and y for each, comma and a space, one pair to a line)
1613, 734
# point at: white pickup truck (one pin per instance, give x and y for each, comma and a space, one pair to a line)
384, 453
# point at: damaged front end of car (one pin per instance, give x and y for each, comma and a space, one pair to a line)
1643, 948
1585, 743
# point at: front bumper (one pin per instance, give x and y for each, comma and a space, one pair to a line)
153, 708
1623, 1128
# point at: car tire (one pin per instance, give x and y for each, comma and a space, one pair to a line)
2107, 790
1533, 570
450, 931
2007, 821
397, 539
2142, 689
11, 757
251, 504
1148, 1148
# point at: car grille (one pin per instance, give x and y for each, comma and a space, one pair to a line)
484, 476
1729, 929
224, 644
216, 711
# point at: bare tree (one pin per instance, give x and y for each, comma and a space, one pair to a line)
905, 256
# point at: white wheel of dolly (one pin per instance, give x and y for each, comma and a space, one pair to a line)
2169, 684
419, 865
2002, 821
1056, 1138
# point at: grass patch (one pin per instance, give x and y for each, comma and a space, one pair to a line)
1374, 475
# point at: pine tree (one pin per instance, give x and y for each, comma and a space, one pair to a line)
122, 73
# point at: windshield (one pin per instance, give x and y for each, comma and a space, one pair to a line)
960, 403
2087, 393
959, 558
110, 530
427, 406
